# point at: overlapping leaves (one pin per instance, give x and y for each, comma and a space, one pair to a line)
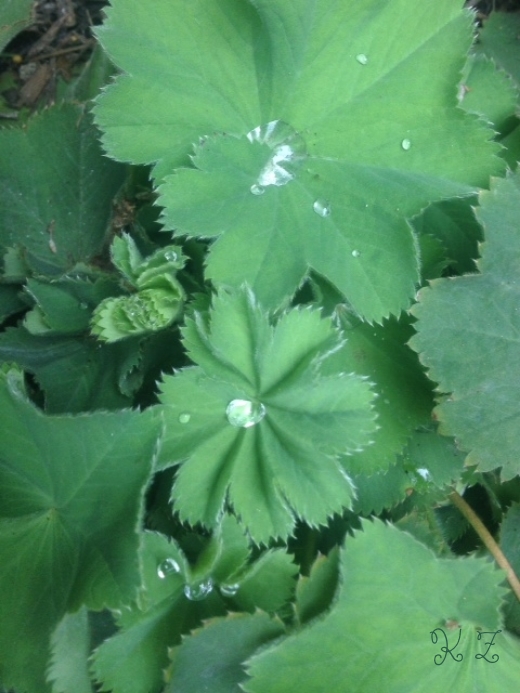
361, 647
258, 427
469, 335
327, 128
70, 498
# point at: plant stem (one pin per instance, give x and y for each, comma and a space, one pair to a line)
488, 540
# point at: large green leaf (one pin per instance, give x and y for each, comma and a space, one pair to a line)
318, 128
468, 336
56, 189
70, 499
257, 424
385, 629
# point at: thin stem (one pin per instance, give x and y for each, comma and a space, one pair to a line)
488, 540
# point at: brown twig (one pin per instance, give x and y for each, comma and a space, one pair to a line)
488, 540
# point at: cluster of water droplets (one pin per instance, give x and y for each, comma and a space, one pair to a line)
194, 591
287, 149
243, 413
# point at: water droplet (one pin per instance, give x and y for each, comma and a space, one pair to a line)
257, 189
424, 473
184, 418
287, 148
406, 144
243, 413
362, 59
322, 208
229, 590
83, 305
356, 253
199, 590
171, 256
168, 567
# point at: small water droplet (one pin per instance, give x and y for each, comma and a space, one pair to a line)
229, 590
83, 305
425, 473
406, 144
362, 59
322, 208
171, 256
356, 253
257, 189
168, 567
243, 413
184, 418
199, 590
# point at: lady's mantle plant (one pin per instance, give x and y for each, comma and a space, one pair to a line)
312, 165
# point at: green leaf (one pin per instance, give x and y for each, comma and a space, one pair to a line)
314, 593
434, 458
268, 583
70, 497
296, 90
132, 660
56, 189
468, 333
381, 490
404, 399
10, 301
359, 644
75, 374
69, 669
213, 655
498, 39
488, 92
259, 424
510, 545
15, 16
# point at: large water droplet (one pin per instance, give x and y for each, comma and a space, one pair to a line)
406, 144
229, 590
199, 590
243, 413
184, 418
287, 148
322, 208
362, 59
356, 253
171, 256
168, 567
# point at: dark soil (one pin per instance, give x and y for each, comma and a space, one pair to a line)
58, 42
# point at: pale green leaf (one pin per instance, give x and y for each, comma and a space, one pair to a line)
378, 634
468, 336
260, 427
314, 593
294, 164
210, 659
268, 583
498, 39
70, 496
69, 669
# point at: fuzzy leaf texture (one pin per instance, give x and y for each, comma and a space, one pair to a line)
468, 332
70, 499
318, 128
257, 424
361, 647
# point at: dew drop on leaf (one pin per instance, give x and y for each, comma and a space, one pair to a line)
199, 590
229, 590
184, 418
406, 144
356, 253
168, 567
171, 256
362, 59
243, 413
287, 148
257, 189
322, 208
